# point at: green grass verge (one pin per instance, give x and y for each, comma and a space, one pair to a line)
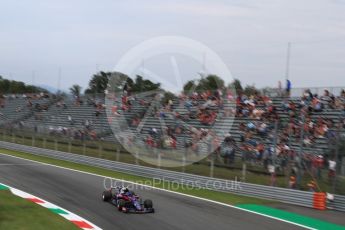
292, 217
227, 198
18, 213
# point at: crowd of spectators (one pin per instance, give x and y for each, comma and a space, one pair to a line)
74, 133
269, 134
266, 137
257, 131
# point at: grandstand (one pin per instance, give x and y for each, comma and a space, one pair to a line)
253, 124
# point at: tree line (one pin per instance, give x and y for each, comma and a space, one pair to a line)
213, 82
17, 87
99, 83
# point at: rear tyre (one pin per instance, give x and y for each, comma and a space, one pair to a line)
106, 196
148, 204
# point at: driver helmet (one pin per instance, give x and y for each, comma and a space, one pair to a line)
124, 190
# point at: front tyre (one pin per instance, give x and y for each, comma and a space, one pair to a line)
106, 196
148, 204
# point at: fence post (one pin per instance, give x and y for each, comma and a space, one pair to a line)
184, 162
212, 166
55, 144
159, 159
137, 157
33, 140
100, 150
244, 170
158, 155
44, 143
343, 166
117, 153
13, 138
84, 148
69, 146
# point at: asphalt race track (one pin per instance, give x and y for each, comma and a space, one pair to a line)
81, 193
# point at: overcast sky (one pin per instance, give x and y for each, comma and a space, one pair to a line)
251, 37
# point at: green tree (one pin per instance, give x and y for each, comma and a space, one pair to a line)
18, 87
168, 96
75, 90
236, 84
189, 86
250, 90
143, 85
98, 83
211, 82
119, 82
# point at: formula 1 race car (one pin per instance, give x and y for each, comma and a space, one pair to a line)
127, 201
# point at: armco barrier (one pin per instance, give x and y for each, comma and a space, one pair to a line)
290, 196
339, 203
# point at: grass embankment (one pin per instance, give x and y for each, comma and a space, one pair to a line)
227, 198
18, 213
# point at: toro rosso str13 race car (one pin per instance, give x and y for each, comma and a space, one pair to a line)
127, 201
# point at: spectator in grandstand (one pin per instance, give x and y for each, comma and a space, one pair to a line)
135, 121
292, 182
230, 96
228, 149
70, 120
149, 141
332, 164
321, 128
307, 141
29, 103
153, 132
251, 126
77, 101
307, 96
257, 113
188, 104
291, 109
285, 105
170, 105
317, 164
342, 98
259, 151
327, 99
98, 110
162, 114
312, 186
316, 104
288, 87
262, 129
173, 142
18, 109
87, 124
